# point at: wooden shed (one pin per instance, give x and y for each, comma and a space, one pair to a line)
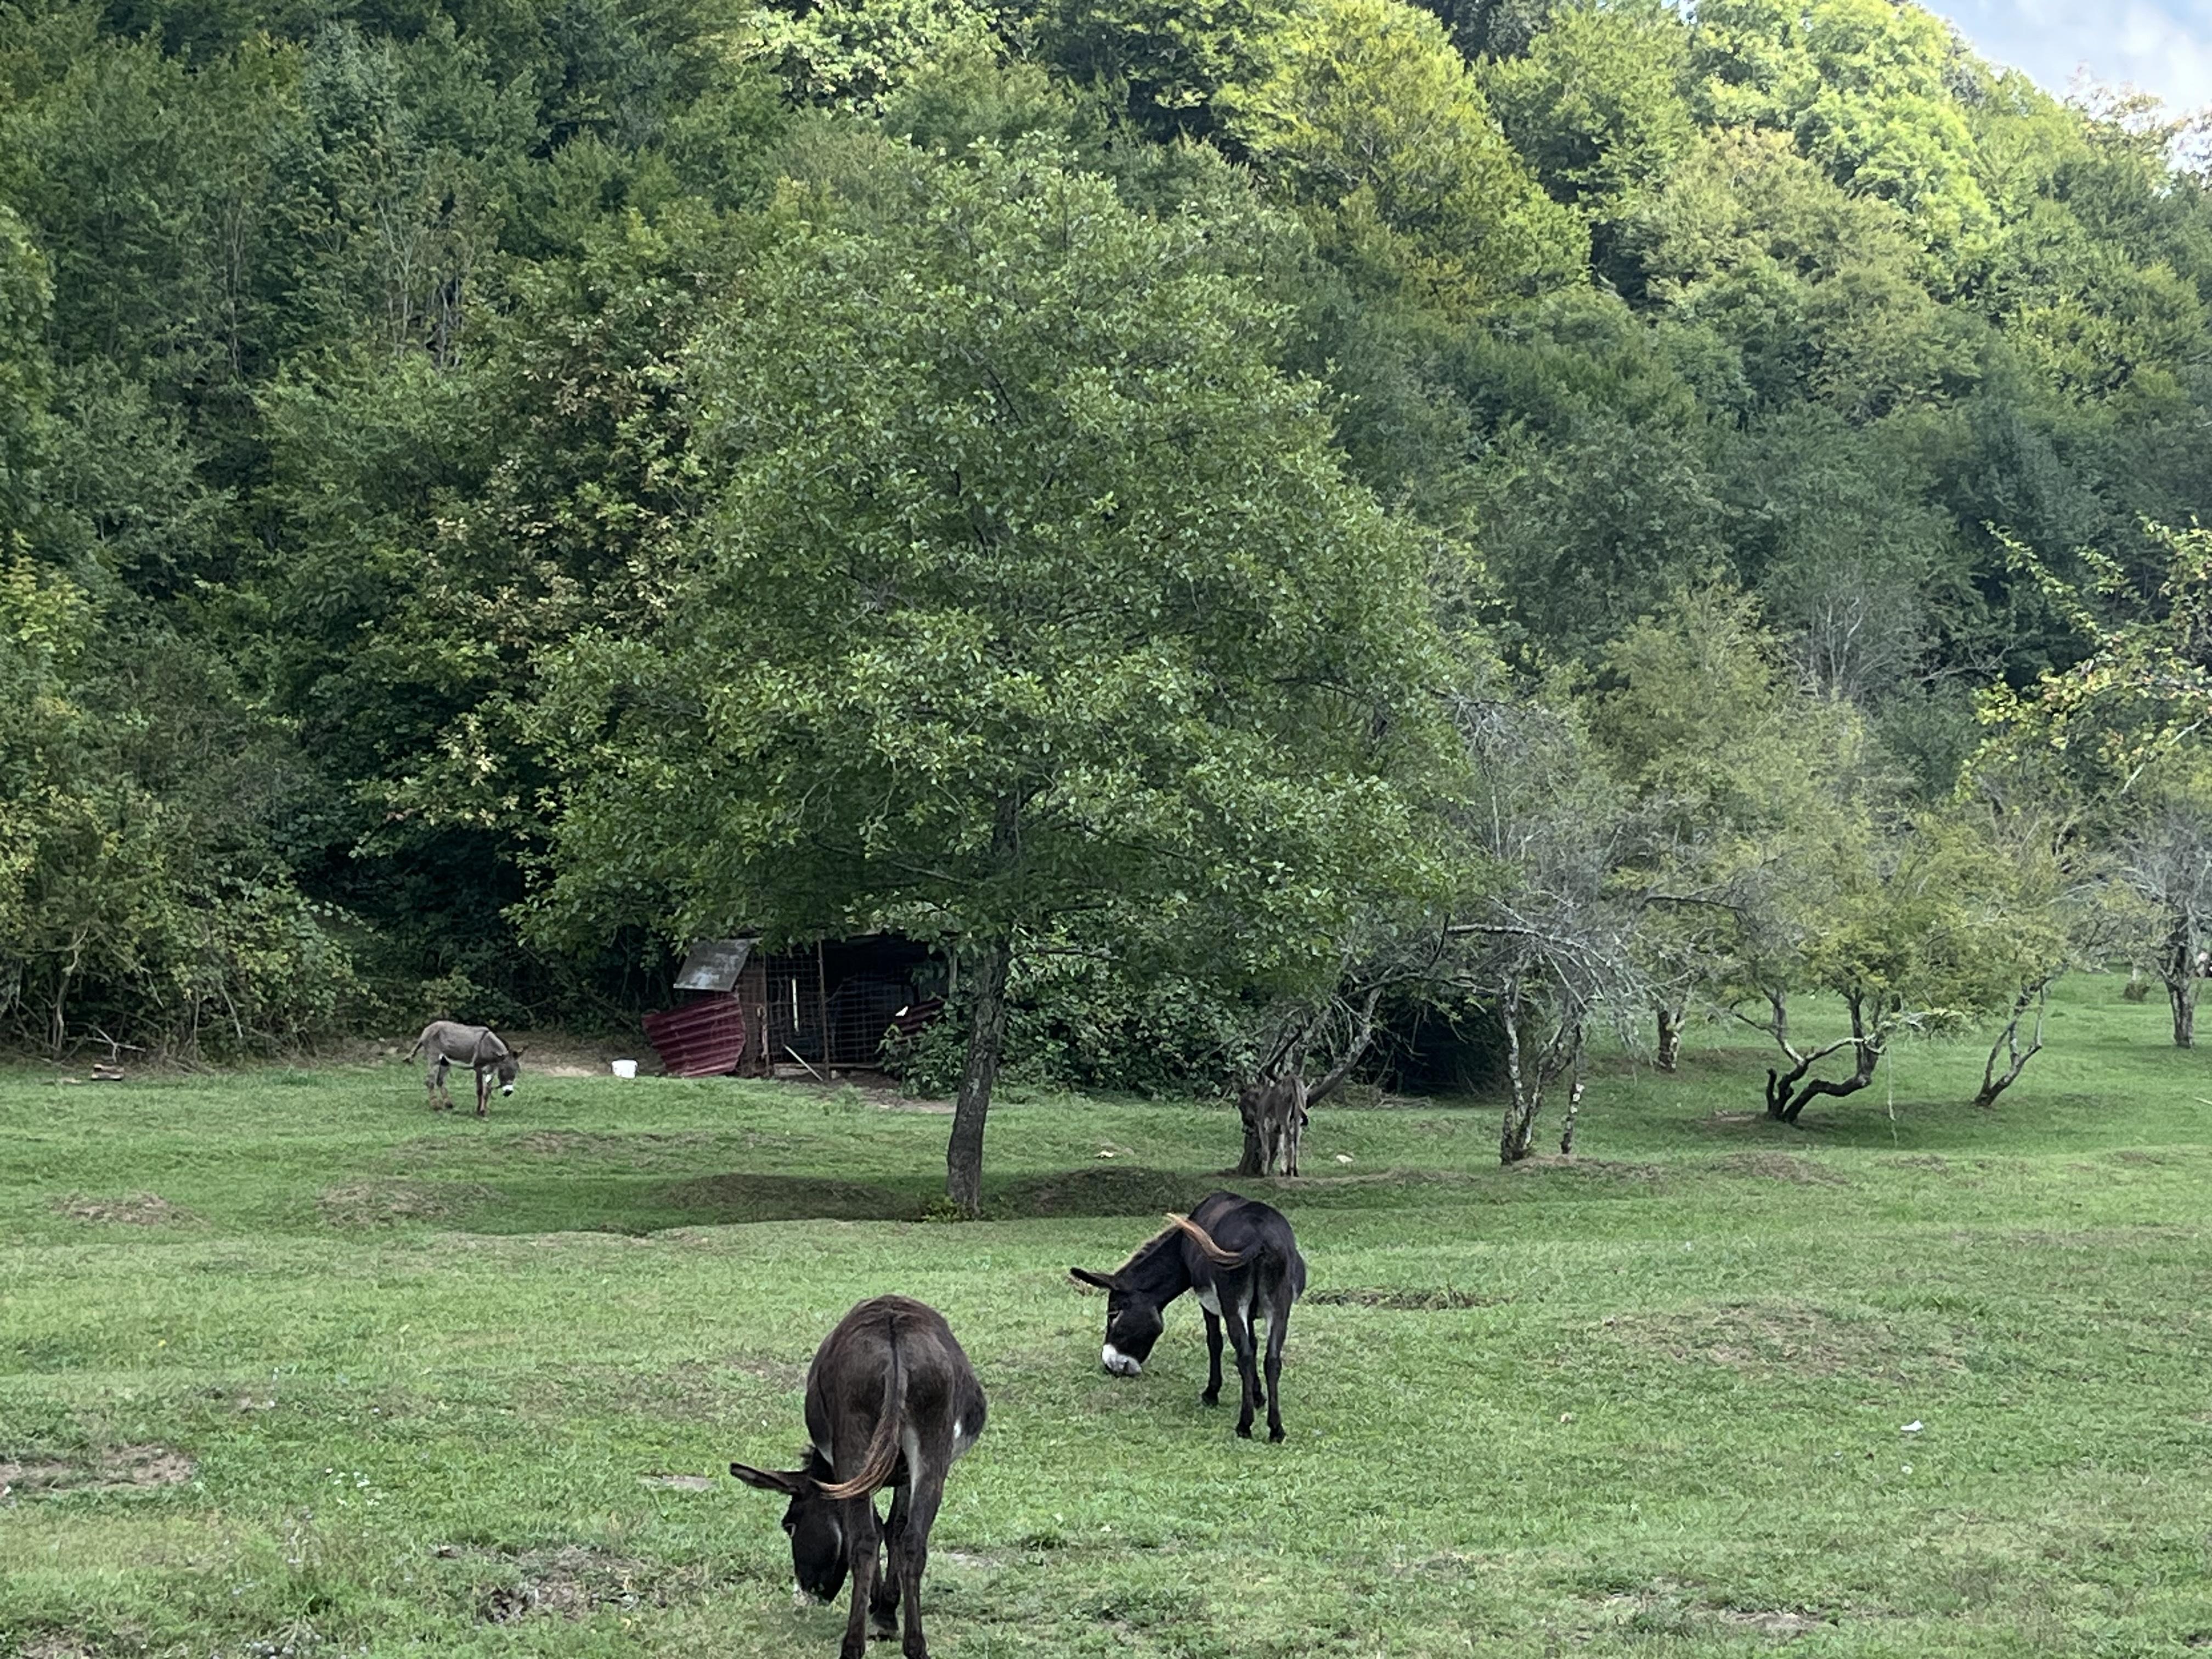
748, 1011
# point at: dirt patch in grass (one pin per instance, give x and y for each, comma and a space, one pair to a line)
1428, 1301
571, 1581
58, 1645
1589, 1169
676, 1482
133, 1209
118, 1468
1790, 1339
383, 1203
1777, 1166
1666, 1607
1778, 1622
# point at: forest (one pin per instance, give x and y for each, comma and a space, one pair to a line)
1285, 535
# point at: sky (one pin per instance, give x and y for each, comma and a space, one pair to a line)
2161, 46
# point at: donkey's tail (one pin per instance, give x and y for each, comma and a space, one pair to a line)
883, 1453
419, 1042
1211, 1251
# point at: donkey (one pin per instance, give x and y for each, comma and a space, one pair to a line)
1239, 1255
891, 1401
473, 1046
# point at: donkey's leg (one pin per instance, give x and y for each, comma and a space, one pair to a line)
882, 1606
1278, 1330
483, 1092
863, 1537
913, 1555
1239, 1321
435, 1083
1213, 1395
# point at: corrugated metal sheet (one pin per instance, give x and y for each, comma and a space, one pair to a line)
706, 1038
714, 964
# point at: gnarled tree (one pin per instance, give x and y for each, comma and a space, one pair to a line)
1549, 938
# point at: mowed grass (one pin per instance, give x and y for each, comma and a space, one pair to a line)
287, 1366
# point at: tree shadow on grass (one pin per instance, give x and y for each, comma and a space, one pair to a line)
724, 1199
638, 1205
1105, 1190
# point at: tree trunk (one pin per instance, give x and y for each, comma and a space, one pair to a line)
1781, 1085
2007, 1042
1574, 1106
2177, 966
1668, 1053
986, 1035
1524, 1077
1867, 1054
58, 1026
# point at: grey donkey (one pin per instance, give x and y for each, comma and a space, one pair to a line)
475, 1047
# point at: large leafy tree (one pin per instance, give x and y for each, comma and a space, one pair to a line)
1597, 106
1035, 589
1365, 115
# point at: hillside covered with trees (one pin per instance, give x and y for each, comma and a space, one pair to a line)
1256, 519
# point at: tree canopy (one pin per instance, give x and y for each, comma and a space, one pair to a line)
486, 491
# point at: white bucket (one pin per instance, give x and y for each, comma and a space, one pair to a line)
625, 1067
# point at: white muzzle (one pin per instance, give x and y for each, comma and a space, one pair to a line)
1117, 1361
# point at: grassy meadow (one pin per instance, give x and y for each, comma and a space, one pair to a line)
289, 1366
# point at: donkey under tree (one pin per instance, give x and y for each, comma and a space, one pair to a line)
1276, 1103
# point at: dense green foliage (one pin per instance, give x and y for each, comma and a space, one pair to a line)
487, 489
284, 1362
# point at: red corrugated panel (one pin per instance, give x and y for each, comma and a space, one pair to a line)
706, 1038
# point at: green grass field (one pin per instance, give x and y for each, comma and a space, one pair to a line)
289, 1366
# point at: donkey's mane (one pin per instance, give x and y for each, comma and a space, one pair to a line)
1179, 1227
1149, 1249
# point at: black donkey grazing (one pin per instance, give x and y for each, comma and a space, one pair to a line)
891, 1401
1240, 1257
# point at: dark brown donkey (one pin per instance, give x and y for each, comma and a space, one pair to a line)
891, 1401
1239, 1255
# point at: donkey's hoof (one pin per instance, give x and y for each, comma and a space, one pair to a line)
1243, 1430
1211, 1397
1276, 1433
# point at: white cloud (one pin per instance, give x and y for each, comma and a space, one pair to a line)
2162, 46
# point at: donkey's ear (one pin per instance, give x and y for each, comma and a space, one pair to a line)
1085, 1276
790, 1484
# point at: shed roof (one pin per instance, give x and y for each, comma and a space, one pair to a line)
714, 964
